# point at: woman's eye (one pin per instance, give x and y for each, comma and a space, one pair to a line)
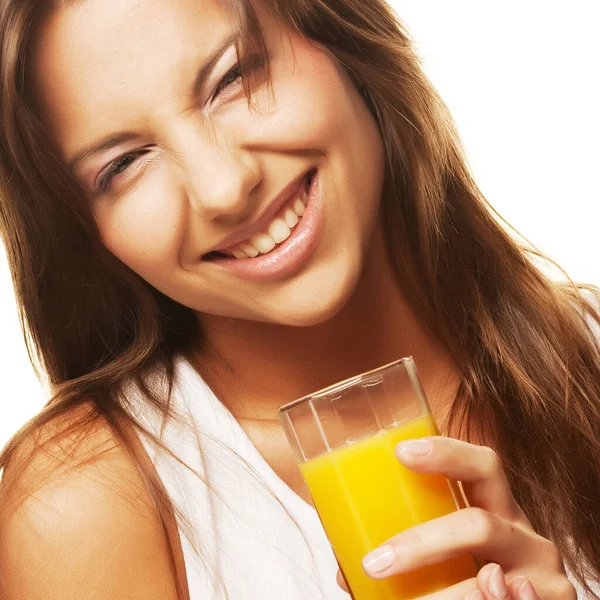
112, 170
253, 62
115, 168
230, 78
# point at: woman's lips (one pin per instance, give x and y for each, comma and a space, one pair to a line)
291, 190
286, 258
274, 231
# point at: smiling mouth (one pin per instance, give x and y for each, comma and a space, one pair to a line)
275, 233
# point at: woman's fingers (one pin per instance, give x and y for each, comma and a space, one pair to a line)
495, 585
521, 589
491, 582
478, 468
468, 531
341, 582
493, 528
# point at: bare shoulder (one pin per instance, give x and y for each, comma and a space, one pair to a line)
77, 520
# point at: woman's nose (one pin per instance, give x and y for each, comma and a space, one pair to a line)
221, 189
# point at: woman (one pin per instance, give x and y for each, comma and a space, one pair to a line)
249, 202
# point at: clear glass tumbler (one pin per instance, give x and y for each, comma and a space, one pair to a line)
344, 438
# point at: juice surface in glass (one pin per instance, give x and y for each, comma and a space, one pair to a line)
364, 496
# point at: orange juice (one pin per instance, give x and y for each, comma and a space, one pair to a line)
364, 496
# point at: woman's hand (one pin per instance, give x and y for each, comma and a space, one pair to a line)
521, 565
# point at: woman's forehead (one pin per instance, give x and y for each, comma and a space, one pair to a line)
95, 60
98, 65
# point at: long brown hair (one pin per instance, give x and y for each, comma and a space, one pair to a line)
529, 362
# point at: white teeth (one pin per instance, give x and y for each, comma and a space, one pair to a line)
291, 218
279, 230
251, 251
263, 243
299, 207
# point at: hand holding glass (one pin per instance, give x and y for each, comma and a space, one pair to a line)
344, 438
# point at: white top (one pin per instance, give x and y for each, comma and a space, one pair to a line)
241, 529
249, 547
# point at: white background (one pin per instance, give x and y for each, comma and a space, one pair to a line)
521, 79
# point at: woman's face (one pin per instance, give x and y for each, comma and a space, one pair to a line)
181, 175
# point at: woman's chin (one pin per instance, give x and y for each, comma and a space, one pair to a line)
314, 305
306, 302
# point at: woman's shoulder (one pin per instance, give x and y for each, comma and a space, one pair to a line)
77, 519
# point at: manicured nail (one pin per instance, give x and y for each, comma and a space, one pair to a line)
415, 447
497, 584
526, 591
379, 560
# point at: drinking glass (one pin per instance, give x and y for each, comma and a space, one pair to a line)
344, 437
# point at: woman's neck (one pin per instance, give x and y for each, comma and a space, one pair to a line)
254, 368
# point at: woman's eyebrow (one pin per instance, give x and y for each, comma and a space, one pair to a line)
115, 139
209, 65
104, 144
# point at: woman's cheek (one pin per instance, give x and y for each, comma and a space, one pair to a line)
320, 114
144, 228
311, 109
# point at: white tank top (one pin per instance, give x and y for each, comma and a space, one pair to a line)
249, 547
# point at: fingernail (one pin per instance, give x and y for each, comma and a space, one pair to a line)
526, 591
415, 447
379, 560
497, 584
